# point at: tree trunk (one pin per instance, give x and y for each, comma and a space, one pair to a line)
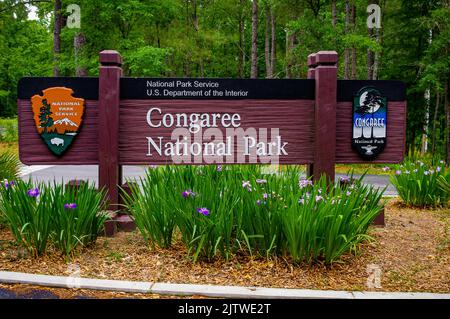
78, 42
254, 67
347, 51
57, 37
197, 36
373, 57
370, 59
447, 122
158, 38
241, 65
354, 64
354, 56
333, 13
287, 63
370, 55
267, 43
376, 61
273, 54
187, 57
290, 45
427, 119
427, 107
436, 109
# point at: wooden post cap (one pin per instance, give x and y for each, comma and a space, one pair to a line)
110, 57
326, 57
312, 60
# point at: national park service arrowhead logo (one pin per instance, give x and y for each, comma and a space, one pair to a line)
58, 116
369, 122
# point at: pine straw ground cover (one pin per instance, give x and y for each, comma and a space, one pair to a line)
412, 251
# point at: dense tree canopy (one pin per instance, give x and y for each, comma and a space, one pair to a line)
224, 38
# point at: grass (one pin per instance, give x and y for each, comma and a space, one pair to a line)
8, 130
9, 166
372, 169
221, 211
43, 214
420, 184
10, 147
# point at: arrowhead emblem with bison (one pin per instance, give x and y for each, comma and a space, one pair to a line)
58, 117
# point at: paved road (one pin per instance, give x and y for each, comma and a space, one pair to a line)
65, 173
33, 294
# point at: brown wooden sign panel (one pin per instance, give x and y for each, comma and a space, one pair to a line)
290, 120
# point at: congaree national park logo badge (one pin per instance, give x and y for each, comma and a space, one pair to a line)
58, 116
369, 122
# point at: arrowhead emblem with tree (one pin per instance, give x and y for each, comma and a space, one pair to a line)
58, 117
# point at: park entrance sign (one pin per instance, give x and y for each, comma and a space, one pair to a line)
113, 121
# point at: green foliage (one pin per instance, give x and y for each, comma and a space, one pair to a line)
25, 50
9, 166
44, 213
78, 225
150, 206
444, 183
8, 130
417, 183
28, 217
219, 211
147, 61
329, 223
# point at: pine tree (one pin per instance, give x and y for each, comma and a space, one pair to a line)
45, 118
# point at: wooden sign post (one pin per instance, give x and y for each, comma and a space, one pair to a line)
319, 121
109, 170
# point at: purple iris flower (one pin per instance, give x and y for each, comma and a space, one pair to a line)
70, 206
7, 183
265, 195
203, 210
247, 185
345, 179
33, 192
219, 168
188, 193
304, 183
261, 181
258, 202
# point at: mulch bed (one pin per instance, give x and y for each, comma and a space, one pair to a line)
412, 252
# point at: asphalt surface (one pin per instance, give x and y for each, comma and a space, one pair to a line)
65, 173
33, 294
